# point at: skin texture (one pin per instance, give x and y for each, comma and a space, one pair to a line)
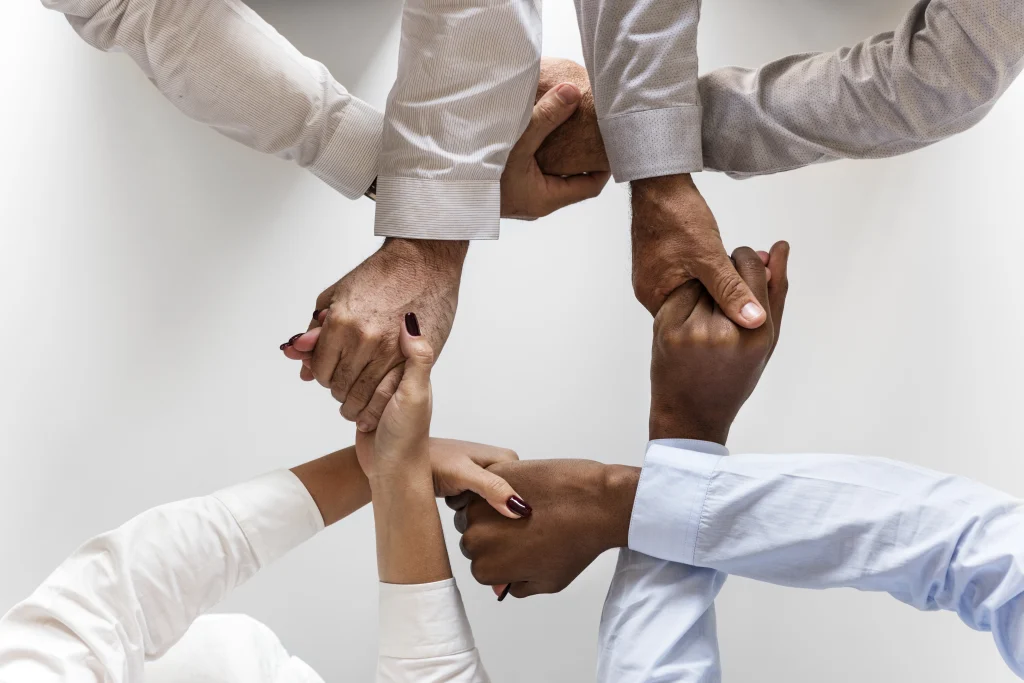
575, 146
351, 345
703, 369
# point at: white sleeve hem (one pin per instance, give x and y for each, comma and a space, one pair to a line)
421, 208
653, 143
349, 161
422, 621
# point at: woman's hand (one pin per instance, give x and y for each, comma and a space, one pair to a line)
403, 434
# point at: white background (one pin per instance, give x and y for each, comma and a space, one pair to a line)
149, 269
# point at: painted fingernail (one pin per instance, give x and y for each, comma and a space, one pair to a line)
412, 324
519, 506
504, 593
567, 93
751, 312
316, 314
294, 337
284, 346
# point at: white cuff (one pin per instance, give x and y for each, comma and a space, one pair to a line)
420, 208
422, 621
669, 501
653, 143
275, 512
349, 160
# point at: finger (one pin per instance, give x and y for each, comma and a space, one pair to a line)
329, 346
462, 519
551, 111
359, 363
502, 590
306, 374
561, 192
680, 304
495, 490
306, 342
730, 291
458, 502
369, 417
752, 270
419, 356
524, 589
292, 353
778, 288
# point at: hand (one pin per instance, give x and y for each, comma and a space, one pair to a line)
704, 367
575, 146
676, 239
526, 192
352, 344
461, 466
401, 439
581, 509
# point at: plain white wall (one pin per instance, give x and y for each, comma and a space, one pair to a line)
150, 268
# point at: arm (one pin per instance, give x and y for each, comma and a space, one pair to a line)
424, 632
931, 540
938, 74
467, 75
222, 65
128, 595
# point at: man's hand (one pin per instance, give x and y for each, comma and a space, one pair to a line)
704, 367
575, 146
581, 508
526, 191
676, 239
352, 345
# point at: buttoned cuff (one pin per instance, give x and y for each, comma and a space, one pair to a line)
653, 143
422, 621
349, 161
669, 502
275, 512
421, 208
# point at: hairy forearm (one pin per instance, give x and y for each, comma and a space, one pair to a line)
336, 483
410, 542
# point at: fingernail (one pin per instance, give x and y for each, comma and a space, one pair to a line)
751, 312
284, 346
294, 337
363, 426
519, 506
504, 593
412, 324
316, 314
567, 93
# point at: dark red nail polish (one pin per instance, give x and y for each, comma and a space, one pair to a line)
316, 314
292, 340
519, 506
285, 346
504, 593
412, 324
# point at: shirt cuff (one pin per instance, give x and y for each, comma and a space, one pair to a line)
421, 621
349, 161
653, 143
421, 208
669, 501
275, 512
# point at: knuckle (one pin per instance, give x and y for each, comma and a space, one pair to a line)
730, 286
480, 575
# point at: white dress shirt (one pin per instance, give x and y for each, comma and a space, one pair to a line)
938, 74
127, 597
931, 540
466, 82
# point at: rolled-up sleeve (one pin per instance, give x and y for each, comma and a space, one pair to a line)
467, 76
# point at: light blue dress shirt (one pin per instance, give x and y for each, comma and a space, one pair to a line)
931, 540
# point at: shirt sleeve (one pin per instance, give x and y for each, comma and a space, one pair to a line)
467, 78
425, 635
130, 594
642, 60
222, 65
937, 74
931, 540
658, 622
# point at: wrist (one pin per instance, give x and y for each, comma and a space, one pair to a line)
438, 255
668, 425
616, 503
404, 474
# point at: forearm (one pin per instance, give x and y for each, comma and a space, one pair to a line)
642, 59
336, 483
235, 73
938, 74
410, 541
467, 75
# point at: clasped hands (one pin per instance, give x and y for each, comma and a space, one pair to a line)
351, 344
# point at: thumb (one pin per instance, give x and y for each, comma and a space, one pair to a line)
730, 292
419, 356
495, 490
551, 111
